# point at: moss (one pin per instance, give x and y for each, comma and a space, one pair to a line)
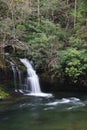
3, 94
2, 63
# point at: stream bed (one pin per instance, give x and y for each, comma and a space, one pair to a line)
63, 111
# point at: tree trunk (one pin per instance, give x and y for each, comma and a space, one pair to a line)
38, 11
67, 1
75, 9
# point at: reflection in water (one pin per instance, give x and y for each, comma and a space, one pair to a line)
36, 113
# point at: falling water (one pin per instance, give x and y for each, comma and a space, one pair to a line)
17, 75
14, 74
33, 80
20, 85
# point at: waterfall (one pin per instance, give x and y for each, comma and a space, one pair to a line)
17, 77
33, 81
32, 78
20, 85
14, 74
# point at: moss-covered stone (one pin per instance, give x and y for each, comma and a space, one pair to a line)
3, 94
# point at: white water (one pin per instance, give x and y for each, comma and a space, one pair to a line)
17, 77
14, 74
33, 81
72, 102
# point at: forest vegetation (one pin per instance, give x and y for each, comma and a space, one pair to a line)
51, 33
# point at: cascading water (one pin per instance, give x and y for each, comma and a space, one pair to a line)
14, 74
33, 80
17, 77
20, 85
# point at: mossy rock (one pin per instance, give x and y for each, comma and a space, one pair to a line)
2, 63
3, 94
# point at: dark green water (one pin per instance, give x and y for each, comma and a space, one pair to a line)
62, 112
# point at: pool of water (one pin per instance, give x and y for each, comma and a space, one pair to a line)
63, 111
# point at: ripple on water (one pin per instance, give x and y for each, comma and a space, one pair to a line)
65, 103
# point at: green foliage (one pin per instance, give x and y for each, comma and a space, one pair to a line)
3, 9
20, 1
54, 44
74, 62
3, 94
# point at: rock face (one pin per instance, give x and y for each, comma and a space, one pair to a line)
47, 84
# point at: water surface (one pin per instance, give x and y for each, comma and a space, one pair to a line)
61, 112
